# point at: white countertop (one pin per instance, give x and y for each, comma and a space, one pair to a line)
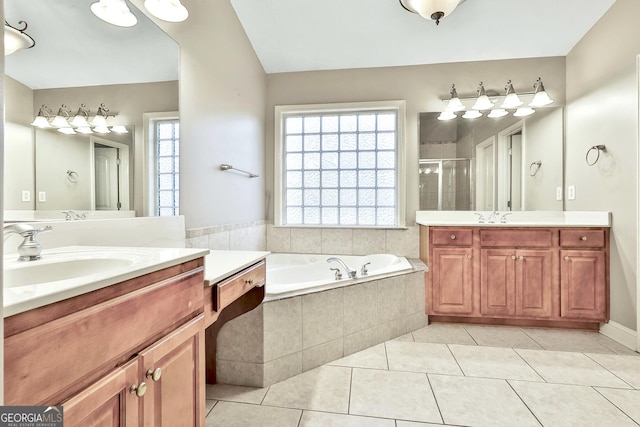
221, 264
516, 219
143, 260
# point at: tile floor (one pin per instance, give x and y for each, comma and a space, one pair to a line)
452, 375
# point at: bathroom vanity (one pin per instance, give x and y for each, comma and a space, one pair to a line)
527, 271
129, 349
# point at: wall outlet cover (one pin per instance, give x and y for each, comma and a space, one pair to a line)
42, 196
26, 195
558, 193
571, 192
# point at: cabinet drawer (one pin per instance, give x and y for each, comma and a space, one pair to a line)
229, 290
581, 238
451, 237
538, 238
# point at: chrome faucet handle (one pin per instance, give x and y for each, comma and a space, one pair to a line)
338, 274
363, 269
492, 217
503, 220
68, 215
480, 217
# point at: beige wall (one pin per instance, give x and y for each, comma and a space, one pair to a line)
222, 99
421, 86
602, 108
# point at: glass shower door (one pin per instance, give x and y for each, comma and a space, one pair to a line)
445, 184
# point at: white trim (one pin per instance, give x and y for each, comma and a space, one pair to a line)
401, 152
123, 170
502, 164
638, 207
617, 332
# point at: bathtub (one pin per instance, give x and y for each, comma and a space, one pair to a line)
297, 274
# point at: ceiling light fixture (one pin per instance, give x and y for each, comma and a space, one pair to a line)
167, 10
430, 9
115, 12
16, 39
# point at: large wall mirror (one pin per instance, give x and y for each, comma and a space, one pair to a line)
79, 59
485, 164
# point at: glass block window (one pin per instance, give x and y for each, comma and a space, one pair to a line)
340, 168
167, 167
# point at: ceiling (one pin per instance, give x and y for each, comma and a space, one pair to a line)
303, 35
74, 48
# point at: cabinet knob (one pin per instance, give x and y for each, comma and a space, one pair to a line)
583, 238
154, 374
138, 390
520, 257
469, 256
513, 257
566, 258
249, 281
453, 237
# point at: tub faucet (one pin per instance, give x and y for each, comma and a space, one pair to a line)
363, 270
351, 272
29, 249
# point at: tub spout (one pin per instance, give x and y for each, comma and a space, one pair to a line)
351, 272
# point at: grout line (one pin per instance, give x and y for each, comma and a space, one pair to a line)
433, 393
300, 419
524, 403
350, 391
386, 355
616, 406
608, 370
472, 338
456, 360
265, 395
515, 350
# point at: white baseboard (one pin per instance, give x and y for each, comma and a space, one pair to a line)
617, 332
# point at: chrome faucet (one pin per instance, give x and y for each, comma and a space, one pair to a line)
503, 219
480, 217
337, 272
351, 272
29, 249
493, 216
363, 269
69, 215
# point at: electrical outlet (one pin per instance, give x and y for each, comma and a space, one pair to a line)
26, 195
42, 196
571, 192
558, 193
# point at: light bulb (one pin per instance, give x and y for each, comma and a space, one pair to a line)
447, 115
498, 112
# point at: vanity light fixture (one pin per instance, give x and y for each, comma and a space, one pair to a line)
524, 111
115, 12
483, 102
497, 112
16, 38
100, 118
447, 115
430, 9
85, 130
67, 131
472, 114
540, 96
80, 119
42, 119
167, 10
101, 129
61, 120
454, 102
511, 99
119, 129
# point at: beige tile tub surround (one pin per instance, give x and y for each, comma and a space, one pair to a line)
233, 237
286, 337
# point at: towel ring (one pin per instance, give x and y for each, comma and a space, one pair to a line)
598, 148
537, 164
72, 176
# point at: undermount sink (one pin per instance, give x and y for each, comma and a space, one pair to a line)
34, 272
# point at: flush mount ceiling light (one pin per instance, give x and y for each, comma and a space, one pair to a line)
114, 12
167, 10
16, 39
431, 9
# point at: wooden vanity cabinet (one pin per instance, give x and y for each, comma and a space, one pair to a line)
540, 275
131, 354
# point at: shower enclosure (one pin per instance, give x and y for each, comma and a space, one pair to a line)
445, 184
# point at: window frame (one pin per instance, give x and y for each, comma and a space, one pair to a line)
282, 111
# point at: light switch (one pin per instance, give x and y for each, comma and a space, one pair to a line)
42, 196
558, 193
26, 195
571, 192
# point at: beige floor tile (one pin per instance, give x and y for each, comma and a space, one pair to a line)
324, 419
615, 346
236, 393
625, 367
405, 337
421, 357
480, 402
492, 362
628, 401
231, 414
323, 389
374, 357
387, 394
501, 336
443, 334
400, 423
560, 405
570, 368
562, 340
209, 404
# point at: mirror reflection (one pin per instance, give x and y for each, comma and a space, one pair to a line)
506, 164
79, 59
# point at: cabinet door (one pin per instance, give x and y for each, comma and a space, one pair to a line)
108, 402
583, 285
174, 371
534, 283
452, 281
497, 282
